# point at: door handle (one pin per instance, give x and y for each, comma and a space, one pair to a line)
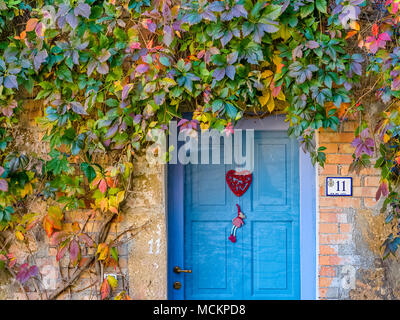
179, 270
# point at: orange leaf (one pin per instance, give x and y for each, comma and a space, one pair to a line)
21, 36
31, 24
351, 33
105, 289
47, 226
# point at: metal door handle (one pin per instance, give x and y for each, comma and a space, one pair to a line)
179, 270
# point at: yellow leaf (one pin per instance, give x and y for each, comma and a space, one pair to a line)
112, 281
281, 96
266, 74
284, 32
204, 126
386, 138
277, 60
19, 235
102, 251
120, 196
354, 25
27, 190
264, 98
271, 104
104, 204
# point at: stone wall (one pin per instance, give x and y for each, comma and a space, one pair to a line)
142, 249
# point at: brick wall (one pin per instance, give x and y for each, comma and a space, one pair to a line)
337, 246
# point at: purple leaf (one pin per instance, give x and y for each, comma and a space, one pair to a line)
74, 251
104, 56
102, 68
219, 73
141, 68
3, 185
230, 72
159, 98
112, 131
125, 90
136, 118
11, 82
168, 35
92, 64
216, 6
40, 57
72, 20
226, 38
25, 272
312, 44
239, 11
86, 239
82, 9
78, 108
356, 67
232, 57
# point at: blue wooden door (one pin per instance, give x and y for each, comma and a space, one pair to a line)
264, 263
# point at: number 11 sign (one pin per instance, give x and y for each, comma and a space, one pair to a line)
339, 187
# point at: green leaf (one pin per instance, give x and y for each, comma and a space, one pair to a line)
114, 253
321, 5
88, 170
306, 10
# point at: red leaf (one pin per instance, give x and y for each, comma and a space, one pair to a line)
86, 239
57, 237
61, 252
105, 289
74, 251
103, 186
375, 29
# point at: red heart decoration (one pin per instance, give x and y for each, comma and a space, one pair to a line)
238, 182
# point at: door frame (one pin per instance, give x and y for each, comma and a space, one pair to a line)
308, 221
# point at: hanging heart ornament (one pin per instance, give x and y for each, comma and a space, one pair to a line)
238, 182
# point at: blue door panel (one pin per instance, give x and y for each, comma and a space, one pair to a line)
264, 263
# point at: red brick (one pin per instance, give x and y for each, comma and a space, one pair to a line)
364, 191
371, 181
329, 169
344, 171
328, 217
324, 250
339, 159
329, 260
370, 202
346, 148
337, 137
333, 238
325, 282
340, 202
330, 210
328, 228
345, 227
331, 147
350, 126
327, 271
